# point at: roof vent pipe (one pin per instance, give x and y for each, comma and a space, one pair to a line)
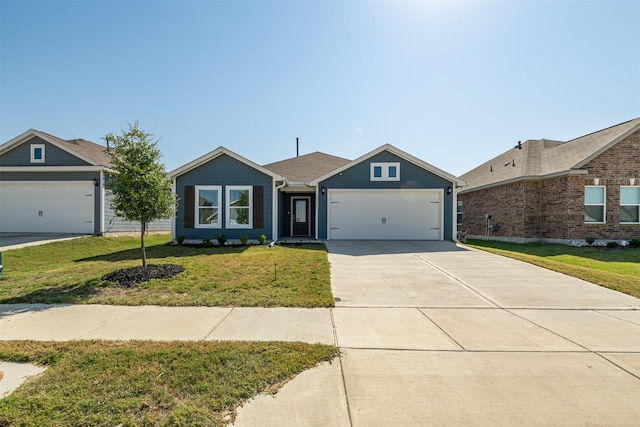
297, 150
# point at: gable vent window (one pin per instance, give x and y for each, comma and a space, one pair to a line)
594, 204
630, 204
385, 171
37, 153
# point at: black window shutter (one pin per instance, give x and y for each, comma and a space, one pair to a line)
258, 206
189, 206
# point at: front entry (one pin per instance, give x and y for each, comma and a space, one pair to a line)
300, 216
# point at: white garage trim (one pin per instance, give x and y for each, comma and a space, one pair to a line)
395, 214
47, 206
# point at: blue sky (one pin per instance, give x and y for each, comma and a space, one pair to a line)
453, 83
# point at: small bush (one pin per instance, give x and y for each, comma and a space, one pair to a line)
222, 239
590, 240
207, 243
613, 244
634, 243
244, 239
180, 239
262, 238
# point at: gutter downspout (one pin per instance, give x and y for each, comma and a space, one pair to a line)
276, 207
173, 218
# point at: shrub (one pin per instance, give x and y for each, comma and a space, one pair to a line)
612, 244
206, 243
244, 239
222, 239
180, 239
262, 238
634, 243
590, 240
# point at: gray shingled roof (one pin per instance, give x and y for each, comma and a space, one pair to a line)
87, 149
307, 167
544, 157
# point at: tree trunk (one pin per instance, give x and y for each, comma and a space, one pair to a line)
144, 252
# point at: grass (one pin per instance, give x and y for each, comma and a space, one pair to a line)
70, 272
99, 383
617, 269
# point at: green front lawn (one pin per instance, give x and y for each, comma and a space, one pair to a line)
71, 271
102, 383
617, 268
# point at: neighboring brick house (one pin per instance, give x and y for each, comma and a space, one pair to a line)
543, 190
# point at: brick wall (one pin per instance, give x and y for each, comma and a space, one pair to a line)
554, 208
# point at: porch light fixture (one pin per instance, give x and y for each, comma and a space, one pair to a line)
449, 190
95, 182
323, 190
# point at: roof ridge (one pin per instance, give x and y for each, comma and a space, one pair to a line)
605, 129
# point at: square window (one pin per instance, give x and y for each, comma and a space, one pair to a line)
239, 207
37, 153
208, 206
385, 172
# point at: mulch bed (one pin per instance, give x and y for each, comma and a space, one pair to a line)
129, 277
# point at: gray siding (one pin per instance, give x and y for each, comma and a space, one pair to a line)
224, 170
54, 156
411, 176
117, 224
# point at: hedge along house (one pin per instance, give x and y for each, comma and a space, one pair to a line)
385, 194
52, 185
564, 192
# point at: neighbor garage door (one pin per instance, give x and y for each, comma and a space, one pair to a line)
385, 214
46, 207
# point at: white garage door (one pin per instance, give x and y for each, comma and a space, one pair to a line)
46, 207
385, 214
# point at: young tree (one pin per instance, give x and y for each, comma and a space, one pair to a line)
140, 185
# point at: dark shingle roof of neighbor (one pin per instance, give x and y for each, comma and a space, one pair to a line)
90, 150
307, 167
544, 157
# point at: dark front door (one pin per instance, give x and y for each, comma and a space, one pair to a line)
299, 216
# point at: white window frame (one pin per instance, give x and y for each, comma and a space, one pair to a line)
604, 204
34, 147
636, 205
385, 166
197, 224
229, 189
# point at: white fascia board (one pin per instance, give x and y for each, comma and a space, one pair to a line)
526, 179
38, 169
216, 153
403, 155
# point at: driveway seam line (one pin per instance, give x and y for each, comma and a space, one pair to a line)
344, 380
217, 324
616, 365
460, 281
443, 331
614, 317
548, 330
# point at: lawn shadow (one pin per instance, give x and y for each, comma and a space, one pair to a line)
76, 293
164, 251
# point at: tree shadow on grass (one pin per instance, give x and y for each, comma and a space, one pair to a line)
76, 293
164, 251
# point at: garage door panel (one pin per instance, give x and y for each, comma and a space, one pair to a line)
47, 207
385, 215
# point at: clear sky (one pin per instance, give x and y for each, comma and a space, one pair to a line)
453, 83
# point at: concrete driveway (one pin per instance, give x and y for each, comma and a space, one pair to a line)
21, 240
435, 334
